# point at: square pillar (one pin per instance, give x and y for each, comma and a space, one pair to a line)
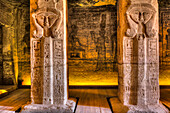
49, 88
138, 56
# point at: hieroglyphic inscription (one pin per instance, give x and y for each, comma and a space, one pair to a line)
47, 98
152, 51
128, 47
36, 54
36, 90
58, 64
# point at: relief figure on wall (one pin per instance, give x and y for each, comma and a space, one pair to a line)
168, 39
100, 43
168, 42
76, 46
74, 40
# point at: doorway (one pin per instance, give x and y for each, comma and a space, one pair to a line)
92, 44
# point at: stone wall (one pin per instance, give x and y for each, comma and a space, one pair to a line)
164, 32
87, 22
14, 40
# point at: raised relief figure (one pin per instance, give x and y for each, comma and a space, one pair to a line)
47, 22
141, 19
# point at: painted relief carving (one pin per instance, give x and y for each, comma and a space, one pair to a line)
36, 54
47, 22
36, 91
47, 99
129, 50
141, 18
152, 51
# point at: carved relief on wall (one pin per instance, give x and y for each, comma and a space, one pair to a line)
92, 42
36, 62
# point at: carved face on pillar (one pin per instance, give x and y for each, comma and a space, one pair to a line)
141, 18
141, 15
47, 22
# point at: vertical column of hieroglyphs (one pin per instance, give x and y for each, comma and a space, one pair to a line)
47, 86
60, 97
36, 71
59, 57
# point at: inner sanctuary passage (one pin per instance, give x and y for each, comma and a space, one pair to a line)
92, 43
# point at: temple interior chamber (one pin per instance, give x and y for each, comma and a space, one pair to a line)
91, 54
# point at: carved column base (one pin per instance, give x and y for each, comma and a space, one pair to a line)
158, 108
40, 108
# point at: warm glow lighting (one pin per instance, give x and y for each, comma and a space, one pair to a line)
100, 3
109, 2
87, 83
164, 82
2, 91
93, 78
26, 81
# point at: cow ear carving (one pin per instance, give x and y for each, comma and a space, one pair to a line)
132, 31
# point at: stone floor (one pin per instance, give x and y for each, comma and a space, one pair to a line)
90, 100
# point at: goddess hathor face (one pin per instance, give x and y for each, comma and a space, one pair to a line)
141, 18
46, 19
47, 22
141, 13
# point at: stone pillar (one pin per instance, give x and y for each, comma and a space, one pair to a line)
48, 59
138, 56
